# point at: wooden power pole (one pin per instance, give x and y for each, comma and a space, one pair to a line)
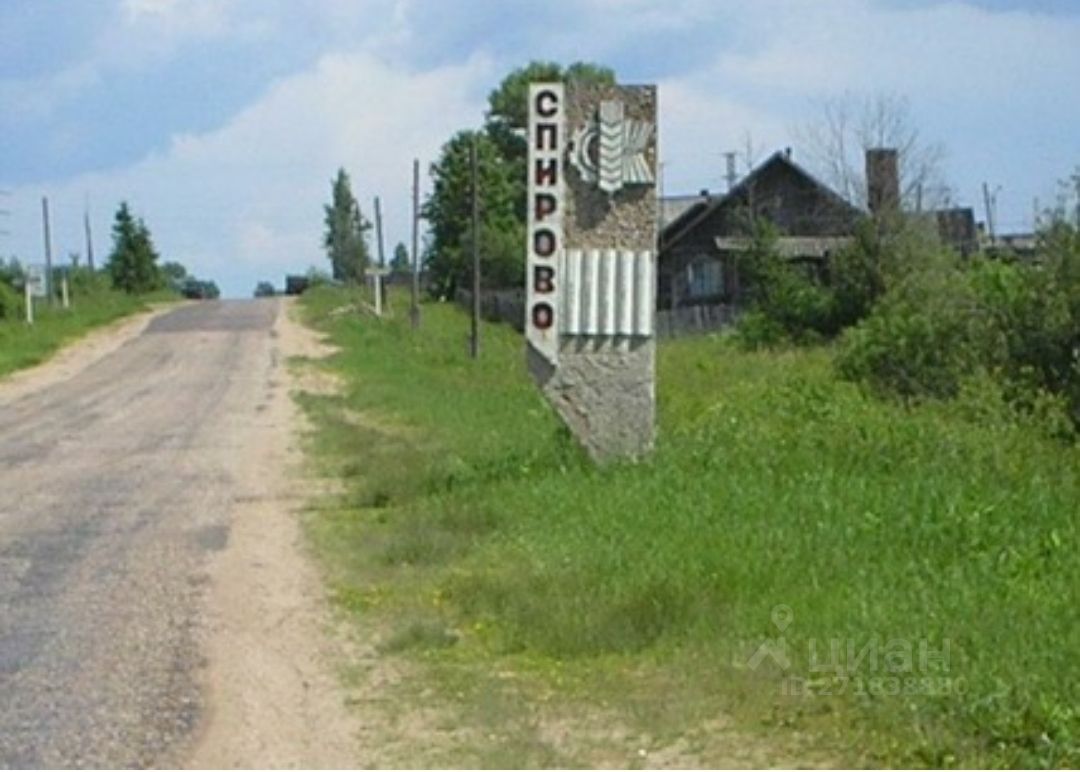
48, 249
377, 274
89, 240
474, 340
988, 202
414, 308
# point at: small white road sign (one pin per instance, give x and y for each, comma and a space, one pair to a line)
35, 280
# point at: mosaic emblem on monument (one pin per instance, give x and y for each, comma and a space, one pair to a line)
609, 150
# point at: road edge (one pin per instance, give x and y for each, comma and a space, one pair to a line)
80, 353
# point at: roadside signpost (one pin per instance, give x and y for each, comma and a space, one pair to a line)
35, 288
377, 273
591, 261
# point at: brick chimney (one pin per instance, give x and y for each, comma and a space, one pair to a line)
882, 180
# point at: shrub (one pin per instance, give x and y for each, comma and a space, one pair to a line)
758, 330
812, 303
11, 302
1040, 313
878, 258
1019, 321
923, 338
786, 304
11, 272
87, 282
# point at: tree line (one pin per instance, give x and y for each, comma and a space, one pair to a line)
134, 266
501, 160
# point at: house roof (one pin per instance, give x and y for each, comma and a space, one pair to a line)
674, 207
686, 222
788, 246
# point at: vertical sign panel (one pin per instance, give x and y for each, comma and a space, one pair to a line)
35, 280
545, 232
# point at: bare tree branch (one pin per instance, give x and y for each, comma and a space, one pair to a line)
836, 142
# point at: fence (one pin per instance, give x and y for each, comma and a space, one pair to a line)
693, 320
498, 305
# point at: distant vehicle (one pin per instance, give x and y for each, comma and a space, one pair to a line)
265, 289
295, 285
197, 289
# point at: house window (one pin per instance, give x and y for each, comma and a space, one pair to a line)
704, 278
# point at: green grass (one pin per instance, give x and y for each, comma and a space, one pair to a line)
947, 528
23, 345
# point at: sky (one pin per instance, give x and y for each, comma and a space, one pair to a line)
222, 122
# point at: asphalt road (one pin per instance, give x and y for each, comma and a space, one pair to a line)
115, 492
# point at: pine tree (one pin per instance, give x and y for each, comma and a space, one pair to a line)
345, 240
132, 265
400, 263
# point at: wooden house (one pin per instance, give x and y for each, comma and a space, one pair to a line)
699, 246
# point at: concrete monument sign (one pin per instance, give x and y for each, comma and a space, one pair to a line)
591, 272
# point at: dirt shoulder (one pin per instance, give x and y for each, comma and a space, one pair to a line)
273, 696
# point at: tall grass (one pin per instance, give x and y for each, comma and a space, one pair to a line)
949, 530
23, 345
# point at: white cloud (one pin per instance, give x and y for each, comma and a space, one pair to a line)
947, 51
198, 17
698, 125
245, 201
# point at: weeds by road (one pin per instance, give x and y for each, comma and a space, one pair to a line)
800, 575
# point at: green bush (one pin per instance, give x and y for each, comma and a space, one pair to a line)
87, 282
758, 330
921, 340
945, 321
11, 302
879, 257
786, 304
1041, 321
811, 303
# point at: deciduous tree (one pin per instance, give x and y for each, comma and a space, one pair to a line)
502, 153
836, 142
448, 210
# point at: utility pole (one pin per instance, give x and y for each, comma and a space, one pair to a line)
382, 257
474, 340
1076, 184
89, 239
988, 203
729, 176
414, 309
5, 212
48, 249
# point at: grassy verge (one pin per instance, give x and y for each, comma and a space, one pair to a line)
914, 571
22, 345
